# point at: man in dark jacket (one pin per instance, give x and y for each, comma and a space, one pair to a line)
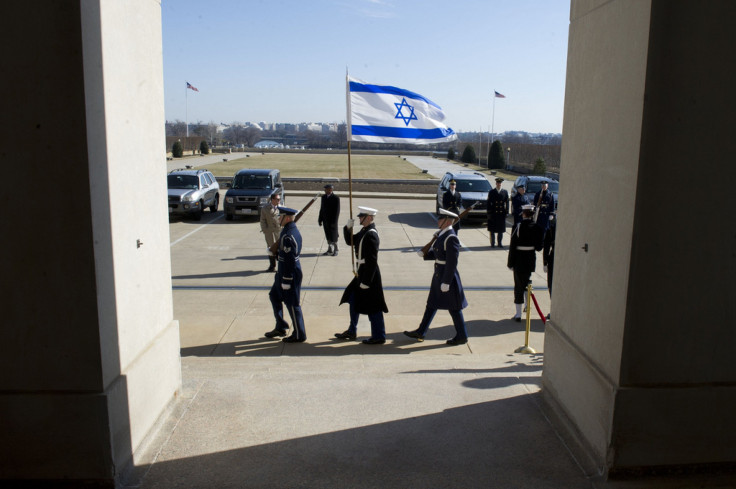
548, 253
446, 291
526, 240
545, 203
519, 201
452, 201
365, 291
497, 209
329, 212
287, 282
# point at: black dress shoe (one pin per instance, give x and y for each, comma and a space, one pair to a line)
294, 339
415, 335
276, 332
374, 341
518, 320
346, 335
457, 341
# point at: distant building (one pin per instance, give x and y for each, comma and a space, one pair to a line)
267, 144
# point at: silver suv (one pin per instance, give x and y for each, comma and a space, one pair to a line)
474, 188
190, 191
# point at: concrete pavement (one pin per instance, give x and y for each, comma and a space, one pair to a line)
260, 413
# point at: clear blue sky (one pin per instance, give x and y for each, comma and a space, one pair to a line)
285, 60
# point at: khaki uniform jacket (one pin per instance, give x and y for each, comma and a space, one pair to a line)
270, 224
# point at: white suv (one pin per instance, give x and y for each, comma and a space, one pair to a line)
190, 191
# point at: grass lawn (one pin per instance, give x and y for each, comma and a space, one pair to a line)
324, 165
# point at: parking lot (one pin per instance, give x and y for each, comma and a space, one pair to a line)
221, 284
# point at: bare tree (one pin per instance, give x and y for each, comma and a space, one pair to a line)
252, 136
177, 128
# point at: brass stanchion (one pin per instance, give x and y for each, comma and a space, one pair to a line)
526, 348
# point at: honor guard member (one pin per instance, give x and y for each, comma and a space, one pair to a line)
497, 209
365, 291
518, 202
545, 203
526, 240
548, 253
287, 282
446, 291
270, 227
452, 200
329, 212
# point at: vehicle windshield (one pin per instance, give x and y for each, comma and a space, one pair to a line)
183, 181
480, 185
260, 182
534, 187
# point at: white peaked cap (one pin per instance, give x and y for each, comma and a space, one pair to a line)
368, 211
527, 207
445, 212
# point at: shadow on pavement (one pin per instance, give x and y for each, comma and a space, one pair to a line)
396, 343
501, 443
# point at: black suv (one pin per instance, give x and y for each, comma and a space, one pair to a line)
250, 190
190, 191
533, 184
473, 186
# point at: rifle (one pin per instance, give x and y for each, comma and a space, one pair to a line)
275, 247
425, 248
539, 201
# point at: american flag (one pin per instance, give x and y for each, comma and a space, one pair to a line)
498, 95
189, 85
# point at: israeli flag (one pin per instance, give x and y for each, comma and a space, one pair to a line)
386, 114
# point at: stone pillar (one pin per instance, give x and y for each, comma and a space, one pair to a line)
638, 354
90, 357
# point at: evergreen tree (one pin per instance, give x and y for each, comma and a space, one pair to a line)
495, 156
204, 148
468, 155
451, 154
539, 167
177, 151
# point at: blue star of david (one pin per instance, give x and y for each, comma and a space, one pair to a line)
406, 118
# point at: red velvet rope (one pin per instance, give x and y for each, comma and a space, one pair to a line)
544, 319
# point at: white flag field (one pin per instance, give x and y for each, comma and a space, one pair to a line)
386, 114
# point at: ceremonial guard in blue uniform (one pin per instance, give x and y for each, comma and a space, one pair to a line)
287, 282
545, 203
548, 253
365, 291
526, 240
497, 209
446, 291
329, 212
518, 202
452, 201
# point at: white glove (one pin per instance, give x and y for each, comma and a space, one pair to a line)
545, 269
350, 223
420, 253
364, 286
285, 286
445, 287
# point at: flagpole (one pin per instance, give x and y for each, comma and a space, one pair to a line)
348, 133
493, 116
186, 108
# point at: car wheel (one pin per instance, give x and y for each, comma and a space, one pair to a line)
228, 217
213, 207
198, 215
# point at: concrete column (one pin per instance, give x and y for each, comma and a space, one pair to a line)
637, 356
90, 349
